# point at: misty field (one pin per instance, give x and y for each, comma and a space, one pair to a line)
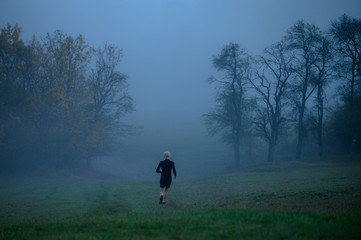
309, 199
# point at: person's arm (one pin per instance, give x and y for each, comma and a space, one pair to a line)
158, 168
174, 171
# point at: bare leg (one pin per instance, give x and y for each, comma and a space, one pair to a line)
162, 190
166, 194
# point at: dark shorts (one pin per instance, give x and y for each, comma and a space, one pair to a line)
165, 182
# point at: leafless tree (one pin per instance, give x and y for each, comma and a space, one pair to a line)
303, 40
111, 99
322, 76
230, 115
271, 83
346, 36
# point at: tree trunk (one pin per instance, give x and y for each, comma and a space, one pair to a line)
272, 143
352, 90
301, 130
237, 153
300, 135
320, 134
320, 124
299, 147
320, 141
271, 149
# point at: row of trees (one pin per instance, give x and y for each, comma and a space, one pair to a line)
287, 90
61, 101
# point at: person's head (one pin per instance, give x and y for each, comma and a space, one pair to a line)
167, 154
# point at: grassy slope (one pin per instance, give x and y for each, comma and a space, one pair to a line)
274, 201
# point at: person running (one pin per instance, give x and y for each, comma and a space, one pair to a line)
165, 167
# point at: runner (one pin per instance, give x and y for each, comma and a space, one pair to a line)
165, 168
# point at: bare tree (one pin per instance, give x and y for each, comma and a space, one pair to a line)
111, 99
322, 75
303, 40
231, 112
270, 82
346, 36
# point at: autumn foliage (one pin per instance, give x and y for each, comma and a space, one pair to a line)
57, 107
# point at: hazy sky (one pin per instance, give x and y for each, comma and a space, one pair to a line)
168, 44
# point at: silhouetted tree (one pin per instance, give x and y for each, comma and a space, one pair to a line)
322, 75
270, 82
231, 114
304, 41
346, 37
13, 98
110, 97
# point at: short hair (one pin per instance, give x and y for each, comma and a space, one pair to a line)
167, 153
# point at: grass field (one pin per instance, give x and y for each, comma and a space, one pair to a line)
313, 199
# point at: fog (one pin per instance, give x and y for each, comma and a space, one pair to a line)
167, 47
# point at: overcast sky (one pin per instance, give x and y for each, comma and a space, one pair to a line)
168, 44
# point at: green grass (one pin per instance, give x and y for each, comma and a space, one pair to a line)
194, 224
297, 200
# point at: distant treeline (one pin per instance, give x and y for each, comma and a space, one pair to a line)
61, 101
305, 88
